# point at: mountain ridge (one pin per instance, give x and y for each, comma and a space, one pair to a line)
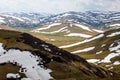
98, 19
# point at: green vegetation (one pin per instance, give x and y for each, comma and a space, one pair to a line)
64, 67
9, 40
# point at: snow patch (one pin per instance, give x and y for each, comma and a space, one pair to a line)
110, 56
2, 20
84, 50
116, 63
85, 41
48, 27
57, 31
79, 34
103, 45
26, 79
83, 27
93, 60
11, 75
113, 34
14, 17
99, 52
115, 25
26, 60
99, 31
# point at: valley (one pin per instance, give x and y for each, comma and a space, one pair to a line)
81, 49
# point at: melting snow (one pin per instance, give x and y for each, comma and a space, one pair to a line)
1, 49
44, 28
83, 27
99, 52
99, 31
93, 60
11, 75
2, 20
84, 50
103, 45
14, 17
85, 41
115, 25
116, 63
26, 60
113, 34
79, 34
57, 31
26, 79
110, 56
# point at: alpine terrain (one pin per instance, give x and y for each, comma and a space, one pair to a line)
24, 57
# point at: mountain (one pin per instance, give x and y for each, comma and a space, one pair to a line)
22, 19
25, 57
102, 49
97, 19
64, 33
68, 29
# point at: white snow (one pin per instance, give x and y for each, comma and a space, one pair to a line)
113, 34
1, 49
11, 75
48, 27
84, 50
66, 14
103, 45
115, 48
116, 63
26, 60
99, 31
26, 18
79, 34
110, 56
83, 27
99, 52
115, 25
26, 79
2, 20
93, 60
53, 32
14, 17
85, 41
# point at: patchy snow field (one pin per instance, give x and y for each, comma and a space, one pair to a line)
26, 60
87, 40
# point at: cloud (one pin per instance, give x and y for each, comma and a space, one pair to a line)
57, 6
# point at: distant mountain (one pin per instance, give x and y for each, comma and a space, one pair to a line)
92, 18
25, 57
22, 19
98, 19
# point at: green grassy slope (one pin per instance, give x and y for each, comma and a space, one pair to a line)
65, 66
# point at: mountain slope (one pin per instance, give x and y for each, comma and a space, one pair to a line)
33, 55
102, 49
68, 29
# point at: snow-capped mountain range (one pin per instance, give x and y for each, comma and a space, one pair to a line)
91, 18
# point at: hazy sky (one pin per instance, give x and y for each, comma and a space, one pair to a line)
58, 6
